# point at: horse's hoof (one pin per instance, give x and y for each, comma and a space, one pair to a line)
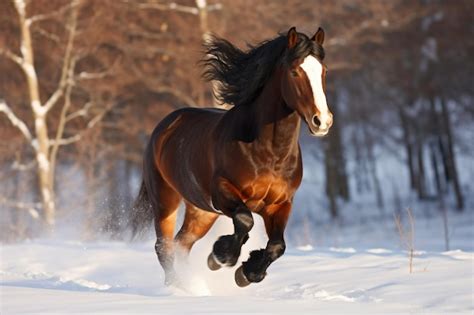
226, 250
240, 277
212, 263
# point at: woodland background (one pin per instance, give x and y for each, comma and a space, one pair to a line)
83, 83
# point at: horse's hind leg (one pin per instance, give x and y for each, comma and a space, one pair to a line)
165, 220
196, 224
255, 268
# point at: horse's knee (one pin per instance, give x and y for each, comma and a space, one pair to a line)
243, 221
275, 249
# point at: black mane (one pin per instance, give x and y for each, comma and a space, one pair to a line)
241, 75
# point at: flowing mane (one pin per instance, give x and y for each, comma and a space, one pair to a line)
241, 75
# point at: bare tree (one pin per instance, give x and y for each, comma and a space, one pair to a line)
201, 10
46, 147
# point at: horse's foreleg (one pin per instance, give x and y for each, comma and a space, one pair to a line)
226, 249
255, 268
228, 199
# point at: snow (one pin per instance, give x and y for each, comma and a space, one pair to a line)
356, 264
105, 277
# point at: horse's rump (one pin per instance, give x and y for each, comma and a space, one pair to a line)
182, 146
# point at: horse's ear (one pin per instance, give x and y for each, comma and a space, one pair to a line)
292, 37
318, 37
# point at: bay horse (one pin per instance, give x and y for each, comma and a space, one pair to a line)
236, 162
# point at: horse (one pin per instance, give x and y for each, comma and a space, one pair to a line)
239, 161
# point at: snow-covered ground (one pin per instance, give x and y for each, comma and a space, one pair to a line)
60, 276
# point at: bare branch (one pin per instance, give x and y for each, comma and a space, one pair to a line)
176, 93
92, 123
172, 6
99, 117
158, 87
55, 38
214, 7
66, 141
407, 237
12, 56
52, 14
62, 117
17, 166
26, 48
97, 75
343, 65
30, 207
81, 112
54, 97
411, 220
16, 122
378, 22
91, 76
72, 25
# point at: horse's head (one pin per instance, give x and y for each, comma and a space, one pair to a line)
304, 79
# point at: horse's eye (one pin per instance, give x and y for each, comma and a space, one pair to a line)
294, 73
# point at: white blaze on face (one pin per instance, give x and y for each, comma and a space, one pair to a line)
314, 72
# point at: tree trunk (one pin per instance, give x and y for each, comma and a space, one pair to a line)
435, 167
420, 177
16, 222
376, 181
331, 185
408, 147
369, 146
335, 163
206, 34
338, 157
45, 172
451, 159
41, 144
204, 29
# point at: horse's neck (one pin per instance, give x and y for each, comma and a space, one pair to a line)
278, 126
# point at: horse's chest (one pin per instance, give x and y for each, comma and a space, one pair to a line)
266, 190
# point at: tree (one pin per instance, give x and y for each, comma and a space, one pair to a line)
44, 145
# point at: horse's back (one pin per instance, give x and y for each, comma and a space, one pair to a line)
188, 113
186, 121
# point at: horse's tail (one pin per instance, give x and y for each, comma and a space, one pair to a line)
142, 213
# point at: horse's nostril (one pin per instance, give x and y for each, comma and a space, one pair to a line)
316, 121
